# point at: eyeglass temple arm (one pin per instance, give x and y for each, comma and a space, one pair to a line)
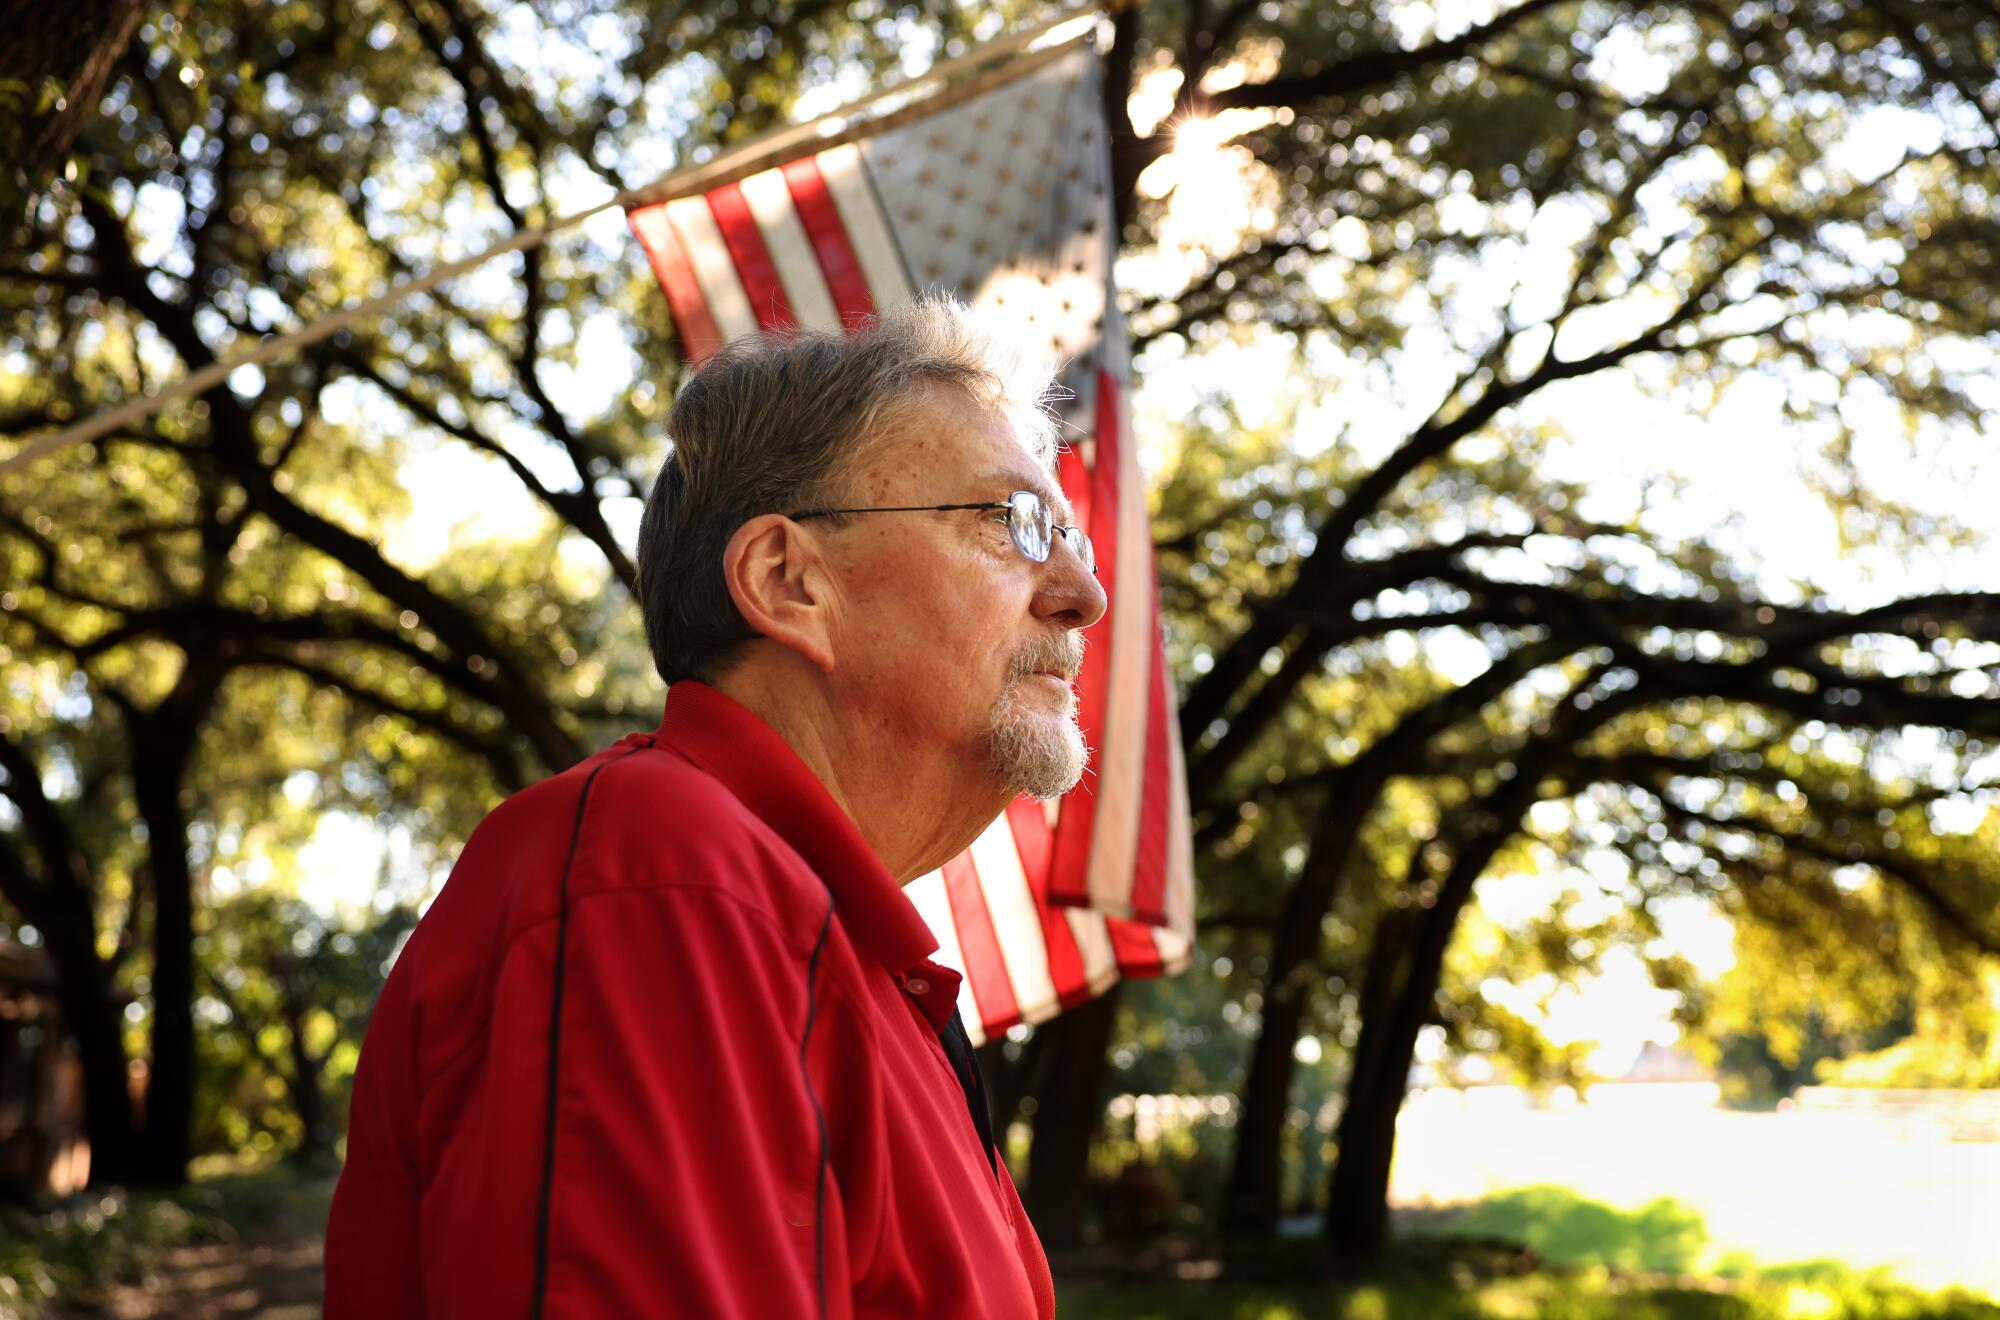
894, 508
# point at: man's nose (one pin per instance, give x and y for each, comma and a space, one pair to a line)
1067, 592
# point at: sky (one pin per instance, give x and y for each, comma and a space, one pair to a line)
1727, 467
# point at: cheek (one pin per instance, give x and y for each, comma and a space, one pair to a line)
963, 642
908, 617
938, 626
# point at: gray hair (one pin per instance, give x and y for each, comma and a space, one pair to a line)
774, 422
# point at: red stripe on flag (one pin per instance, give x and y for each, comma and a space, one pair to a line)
985, 967
1132, 944
1032, 839
823, 227
753, 260
1149, 883
699, 336
1069, 876
1034, 845
1075, 478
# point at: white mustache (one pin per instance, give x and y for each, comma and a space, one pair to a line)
1062, 654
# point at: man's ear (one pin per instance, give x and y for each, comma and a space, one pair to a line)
778, 582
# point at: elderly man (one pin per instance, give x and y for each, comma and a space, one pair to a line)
669, 1042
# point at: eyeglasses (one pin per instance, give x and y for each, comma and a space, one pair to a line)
1029, 522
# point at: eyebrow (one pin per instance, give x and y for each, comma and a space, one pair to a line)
1051, 495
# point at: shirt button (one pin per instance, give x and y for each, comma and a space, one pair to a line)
917, 985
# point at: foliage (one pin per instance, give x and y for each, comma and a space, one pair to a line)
74, 1255
288, 991
1436, 649
1798, 1009
1955, 1045
1473, 672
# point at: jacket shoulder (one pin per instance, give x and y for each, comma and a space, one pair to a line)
640, 816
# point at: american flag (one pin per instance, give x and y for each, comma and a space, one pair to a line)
994, 189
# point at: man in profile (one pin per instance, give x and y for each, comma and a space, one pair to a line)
670, 1041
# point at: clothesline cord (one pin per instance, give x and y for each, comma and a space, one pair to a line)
688, 179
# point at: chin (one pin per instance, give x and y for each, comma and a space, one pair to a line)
1042, 688
1034, 745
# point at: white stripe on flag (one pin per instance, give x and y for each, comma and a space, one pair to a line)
867, 228
1017, 924
721, 287
1093, 945
926, 894
1121, 761
770, 202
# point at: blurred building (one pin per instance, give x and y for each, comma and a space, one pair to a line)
43, 1148
1920, 1113
1661, 1075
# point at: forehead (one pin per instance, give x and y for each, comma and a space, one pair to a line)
945, 446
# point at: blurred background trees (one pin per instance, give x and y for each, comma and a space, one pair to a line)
53, 68
1565, 418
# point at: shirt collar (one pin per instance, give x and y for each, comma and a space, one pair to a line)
722, 737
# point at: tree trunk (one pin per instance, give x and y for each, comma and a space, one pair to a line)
162, 742
170, 1081
1399, 999
1069, 1105
1251, 1204
316, 1136
1400, 993
1357, 1198
93, 1019
1008, 1083
305, 1076
59, 904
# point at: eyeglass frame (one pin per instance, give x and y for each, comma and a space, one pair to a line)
1071, 535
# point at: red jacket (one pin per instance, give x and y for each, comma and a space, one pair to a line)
667, 1044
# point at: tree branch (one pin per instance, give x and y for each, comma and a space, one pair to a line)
1897, 870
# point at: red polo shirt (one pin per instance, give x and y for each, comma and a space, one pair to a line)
667, 1044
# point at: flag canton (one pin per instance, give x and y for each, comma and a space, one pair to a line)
1003, 201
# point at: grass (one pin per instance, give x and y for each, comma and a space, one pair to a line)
1768, 1187
1537, 1252
1829, 1294
74, 1255
1663, 1236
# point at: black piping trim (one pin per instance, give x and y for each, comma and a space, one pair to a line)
965, 1067
819, 1114
555, 1038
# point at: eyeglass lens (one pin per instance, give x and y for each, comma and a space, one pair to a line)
1080, 544
1029, 523
1033, 529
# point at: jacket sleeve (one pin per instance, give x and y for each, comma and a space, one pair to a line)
372, 1261
687, 1171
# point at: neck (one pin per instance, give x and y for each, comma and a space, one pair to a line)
917, 805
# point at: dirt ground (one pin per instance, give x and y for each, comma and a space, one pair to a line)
271, 1268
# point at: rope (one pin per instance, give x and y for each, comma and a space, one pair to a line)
688, 179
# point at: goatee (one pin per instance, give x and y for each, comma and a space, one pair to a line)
1035, 751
